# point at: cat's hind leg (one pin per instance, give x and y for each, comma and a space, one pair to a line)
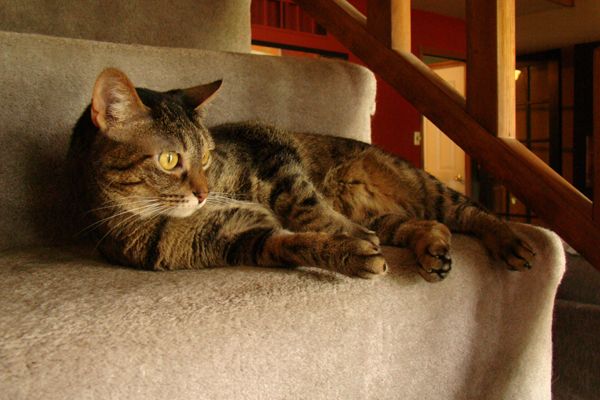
376, 184
301, 208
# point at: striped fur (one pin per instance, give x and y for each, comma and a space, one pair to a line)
267, 197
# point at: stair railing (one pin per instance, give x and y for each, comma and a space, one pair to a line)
484, 125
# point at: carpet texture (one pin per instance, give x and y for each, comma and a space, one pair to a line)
575, 333
205, 24
72, 326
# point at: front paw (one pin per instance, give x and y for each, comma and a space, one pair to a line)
360, 232
357, 257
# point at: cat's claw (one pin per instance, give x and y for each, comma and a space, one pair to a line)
363, 233
518, 255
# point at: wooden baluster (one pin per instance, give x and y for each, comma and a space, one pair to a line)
596, 137
389, 21
491, 65
491, 98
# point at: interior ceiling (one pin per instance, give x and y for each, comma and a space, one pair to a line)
456, 8
541, 24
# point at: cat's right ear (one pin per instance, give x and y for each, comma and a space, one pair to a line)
199, 96
114, 100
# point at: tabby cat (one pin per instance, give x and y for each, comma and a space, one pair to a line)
163, 192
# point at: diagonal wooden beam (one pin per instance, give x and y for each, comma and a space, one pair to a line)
546, 192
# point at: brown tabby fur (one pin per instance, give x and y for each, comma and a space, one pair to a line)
267, 198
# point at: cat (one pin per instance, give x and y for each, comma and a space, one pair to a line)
163, 192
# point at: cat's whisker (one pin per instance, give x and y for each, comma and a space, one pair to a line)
113, 216
154, 209
229, 195
114, 228
223, 200
117, 204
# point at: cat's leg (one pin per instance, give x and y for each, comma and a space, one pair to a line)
461, 214
375, 184
464, 215
301, 208
429, 240
251, 235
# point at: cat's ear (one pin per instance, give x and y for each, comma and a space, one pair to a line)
198, 96
115, 100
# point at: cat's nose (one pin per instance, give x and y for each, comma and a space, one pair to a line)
201, 196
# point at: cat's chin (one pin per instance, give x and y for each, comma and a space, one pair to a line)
185, 211
181, 212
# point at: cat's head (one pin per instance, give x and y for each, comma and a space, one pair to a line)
152, 151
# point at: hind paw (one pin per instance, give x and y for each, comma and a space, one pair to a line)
517, 254
432, 248
505, 245
436, 264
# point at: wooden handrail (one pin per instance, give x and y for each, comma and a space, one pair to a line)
561, 206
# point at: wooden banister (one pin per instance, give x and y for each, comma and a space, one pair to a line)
563, 207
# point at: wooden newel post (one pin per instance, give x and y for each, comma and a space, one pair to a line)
389, 21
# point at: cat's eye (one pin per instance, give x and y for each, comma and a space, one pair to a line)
168, 160
205, 159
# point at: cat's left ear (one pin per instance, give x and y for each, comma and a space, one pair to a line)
201, 95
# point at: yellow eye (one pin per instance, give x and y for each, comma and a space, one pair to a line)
168, 160
205, 159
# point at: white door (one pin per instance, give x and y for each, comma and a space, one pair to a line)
441, 157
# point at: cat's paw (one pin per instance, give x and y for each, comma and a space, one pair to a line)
505, 245
360, 232
517, 254
357, 257
432, 249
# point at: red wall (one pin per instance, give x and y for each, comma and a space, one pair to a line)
395, 119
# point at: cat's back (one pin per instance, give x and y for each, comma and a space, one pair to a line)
254, 136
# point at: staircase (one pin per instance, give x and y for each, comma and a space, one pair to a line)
484, 125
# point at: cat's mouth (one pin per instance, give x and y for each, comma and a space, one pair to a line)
175, 206
187, 207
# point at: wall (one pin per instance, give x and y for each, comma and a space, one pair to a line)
395, 119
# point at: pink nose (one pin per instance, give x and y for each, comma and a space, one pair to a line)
201, 196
